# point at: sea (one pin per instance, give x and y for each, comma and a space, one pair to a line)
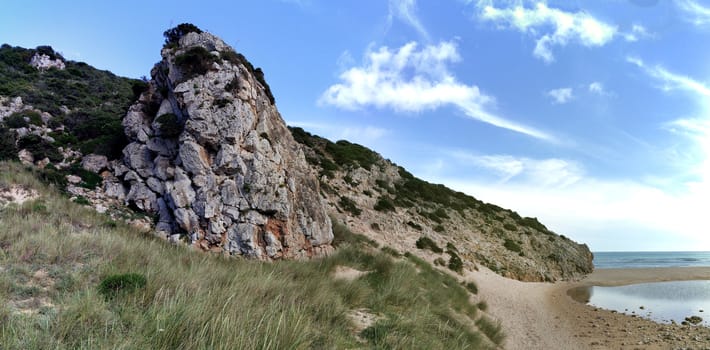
663, 302
618, 260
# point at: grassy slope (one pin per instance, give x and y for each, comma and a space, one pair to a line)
54, 253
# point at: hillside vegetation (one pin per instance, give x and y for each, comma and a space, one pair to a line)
90, 103
387, 203
63, 285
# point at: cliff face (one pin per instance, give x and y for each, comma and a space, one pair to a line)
212, 158
377, 198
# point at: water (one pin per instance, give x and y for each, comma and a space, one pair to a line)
661, 301
615, 260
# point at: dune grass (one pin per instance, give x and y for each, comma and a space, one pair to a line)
54, 255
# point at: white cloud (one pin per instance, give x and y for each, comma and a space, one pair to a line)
405, 11
670, 80
561, 96
413, 79
601, 212
536, 21
637, 32
694, 12
597, 88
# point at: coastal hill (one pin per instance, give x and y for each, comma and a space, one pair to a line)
202, 149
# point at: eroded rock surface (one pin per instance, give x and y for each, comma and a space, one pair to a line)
211, 158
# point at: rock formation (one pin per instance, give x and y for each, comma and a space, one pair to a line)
43, 62
212, 159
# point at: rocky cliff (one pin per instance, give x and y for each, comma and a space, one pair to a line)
211, 157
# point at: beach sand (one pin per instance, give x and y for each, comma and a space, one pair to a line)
545, 316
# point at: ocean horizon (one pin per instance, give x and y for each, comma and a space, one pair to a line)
619, 260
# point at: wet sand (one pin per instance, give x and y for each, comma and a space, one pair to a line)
545, 316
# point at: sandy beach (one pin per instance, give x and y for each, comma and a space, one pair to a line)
545, 316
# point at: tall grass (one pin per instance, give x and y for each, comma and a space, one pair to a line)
54, 255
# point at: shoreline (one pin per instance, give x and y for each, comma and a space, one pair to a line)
625, 276
539, 315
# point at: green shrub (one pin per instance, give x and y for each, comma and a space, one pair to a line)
482, 305
510, 227
169, 126
349, 205
236, 59
384, 204
375, 226
82, 200
173, 35
533, 223
471, 287
39, 148
512, 246
259, 74
439, 228
347, 153
425, 242
455, 262
414, 225
195, 61
127, 282
16, 121
439, 262
63, 139
89, 180
8, 149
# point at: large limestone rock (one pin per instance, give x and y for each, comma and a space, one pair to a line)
212, 159
44, 62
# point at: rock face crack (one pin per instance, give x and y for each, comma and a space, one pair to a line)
221, 179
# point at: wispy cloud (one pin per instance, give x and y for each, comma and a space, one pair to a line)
405, 11
560, 96
413, 79
669, 80
550, 26
694, 12
340, 132
596, 87
551, 172
637, 32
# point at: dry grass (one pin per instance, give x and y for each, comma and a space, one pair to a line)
54, 254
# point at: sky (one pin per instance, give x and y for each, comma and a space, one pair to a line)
593, 116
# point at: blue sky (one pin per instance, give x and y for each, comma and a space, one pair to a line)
593, 116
